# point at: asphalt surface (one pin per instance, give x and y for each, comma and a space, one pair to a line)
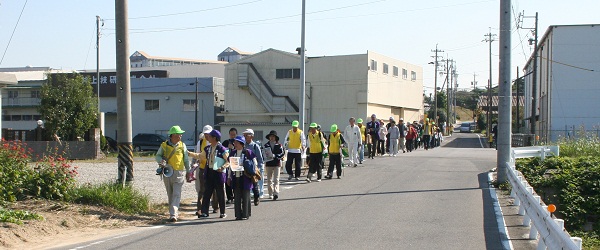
435, 199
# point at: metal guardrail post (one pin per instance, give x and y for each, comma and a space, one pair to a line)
533, 232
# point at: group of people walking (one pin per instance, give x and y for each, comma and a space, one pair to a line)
233, 171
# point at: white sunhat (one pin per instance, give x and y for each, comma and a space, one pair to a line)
207, 129
249, 131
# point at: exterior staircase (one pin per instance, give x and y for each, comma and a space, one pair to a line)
250, 78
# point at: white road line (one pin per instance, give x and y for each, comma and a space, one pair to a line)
122, 236
479, 139
502, 229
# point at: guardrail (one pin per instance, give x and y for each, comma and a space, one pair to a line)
551, 231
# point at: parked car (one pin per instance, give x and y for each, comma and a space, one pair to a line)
145, 141
468, 127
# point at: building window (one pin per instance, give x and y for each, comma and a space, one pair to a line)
413, 76
395, 71
287, 74
13, 93
15, 117
35, 94
151, 105
404, 73
189, 105
37, 117
385, 68
6, 118
27, 117
373, 65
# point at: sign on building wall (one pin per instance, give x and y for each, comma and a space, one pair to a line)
108, 80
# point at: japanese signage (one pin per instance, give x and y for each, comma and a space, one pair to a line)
108, 80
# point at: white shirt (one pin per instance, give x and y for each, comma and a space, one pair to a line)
352, 134
302, 142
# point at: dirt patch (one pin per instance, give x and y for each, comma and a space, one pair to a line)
71, 223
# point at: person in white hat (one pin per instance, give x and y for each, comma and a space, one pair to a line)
200, 180
354, 140
257, 190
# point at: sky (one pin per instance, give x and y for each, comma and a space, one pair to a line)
61, 34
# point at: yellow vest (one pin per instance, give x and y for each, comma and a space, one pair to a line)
202, 146
334, 143
294, 137
176, 160
315, 143
427, 129
362, 132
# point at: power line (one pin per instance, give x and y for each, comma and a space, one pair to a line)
190, 12
314, 12
13, 32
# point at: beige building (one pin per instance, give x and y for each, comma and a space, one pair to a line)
263, 90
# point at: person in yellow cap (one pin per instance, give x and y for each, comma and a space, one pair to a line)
315, 148
296, 142
364, 137
173, 152
335, 142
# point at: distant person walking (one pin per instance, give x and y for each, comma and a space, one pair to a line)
250, 144
335, 142
274, 152
295, 142
354, 140
383, 134
394, 133
216, 165
315, 147
373, 130
241, 183
403, 131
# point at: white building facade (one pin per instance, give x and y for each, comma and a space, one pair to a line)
568, 82
263, 90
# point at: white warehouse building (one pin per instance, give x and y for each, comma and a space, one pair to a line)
263, 90
567, 85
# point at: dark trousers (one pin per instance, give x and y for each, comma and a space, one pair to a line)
427, 141
213, 184
295, 158
229, 191
381, 147
315, 165
410, 144
387, 144
372, 151
242, 200
335, 160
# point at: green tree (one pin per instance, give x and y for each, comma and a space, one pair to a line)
68, 105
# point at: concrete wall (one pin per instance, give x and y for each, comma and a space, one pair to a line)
73, 150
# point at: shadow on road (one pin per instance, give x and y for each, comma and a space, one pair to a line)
378, 193
463, 143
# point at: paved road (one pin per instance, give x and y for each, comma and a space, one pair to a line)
436, 199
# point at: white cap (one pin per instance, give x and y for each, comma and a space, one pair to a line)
401, 119
391, 118
207, 129
249, 131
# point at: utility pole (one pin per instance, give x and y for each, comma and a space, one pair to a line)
98, 72
518, 97
490, 38
302, 69
449, 63
125, 172
504, 92
435, 114
196, 115
474, 82
534, 41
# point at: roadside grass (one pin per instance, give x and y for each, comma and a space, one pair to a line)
125, 199
17, 216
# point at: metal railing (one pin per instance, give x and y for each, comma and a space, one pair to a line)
551, 231
21, 101
267, 97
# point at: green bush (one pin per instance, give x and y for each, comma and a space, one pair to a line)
50, 178
573, 183
18, 216
125, 199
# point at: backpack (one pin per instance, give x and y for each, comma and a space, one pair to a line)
250, 169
